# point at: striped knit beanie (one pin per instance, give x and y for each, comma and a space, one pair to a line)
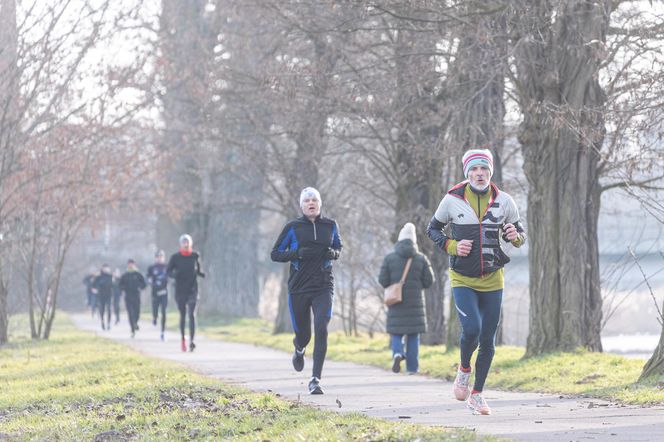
477, 157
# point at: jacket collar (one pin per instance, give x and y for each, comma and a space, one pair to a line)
459, 189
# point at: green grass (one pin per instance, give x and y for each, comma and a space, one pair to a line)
77, 386
579, 373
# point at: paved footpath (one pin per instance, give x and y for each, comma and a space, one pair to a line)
416, 399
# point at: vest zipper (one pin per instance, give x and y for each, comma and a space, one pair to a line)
479, 217
314, 223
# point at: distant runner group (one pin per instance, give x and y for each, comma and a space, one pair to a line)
472, 223
104, 288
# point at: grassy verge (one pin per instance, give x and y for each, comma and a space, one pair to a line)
580, 373
80, 387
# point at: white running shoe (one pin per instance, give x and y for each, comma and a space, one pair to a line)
478, 405
462, 385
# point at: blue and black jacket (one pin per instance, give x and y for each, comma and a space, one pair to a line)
310, 248
158, 279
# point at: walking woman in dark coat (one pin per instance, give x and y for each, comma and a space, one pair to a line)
407, 319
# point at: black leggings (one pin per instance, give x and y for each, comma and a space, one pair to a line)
116, 307
160, 303
301, 306
187, 306
104, 304
133, 304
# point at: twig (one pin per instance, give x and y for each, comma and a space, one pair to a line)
660, 319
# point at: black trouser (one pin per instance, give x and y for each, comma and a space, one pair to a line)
187, 307
157, 302
301, 305
104, 304
133, 304
116, 306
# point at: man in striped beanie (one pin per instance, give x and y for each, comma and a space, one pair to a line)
478, 157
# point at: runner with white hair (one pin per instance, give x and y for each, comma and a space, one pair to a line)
309, 243
185, 267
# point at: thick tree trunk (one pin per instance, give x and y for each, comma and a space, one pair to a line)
311, 144
563, 130
231, 248
478, 79
418, 176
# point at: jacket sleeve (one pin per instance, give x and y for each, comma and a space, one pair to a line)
285, 248
436, 234
428, 277
141, 282
384, 275
336, 242
512, 217
199, 272
171, 269
149, 278
438, 223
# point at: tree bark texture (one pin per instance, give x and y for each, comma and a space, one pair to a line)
558, 58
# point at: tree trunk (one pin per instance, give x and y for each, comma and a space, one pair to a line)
8, 129
563, 130
478, 86
282, 323
4, 313
231, 247
418, 160
311, 144
655, 365
184, 62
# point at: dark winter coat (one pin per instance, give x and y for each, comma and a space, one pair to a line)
408, 316
310, 247
104, 285
131, 283
185, 269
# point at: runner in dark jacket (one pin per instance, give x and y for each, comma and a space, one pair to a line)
158, 280
185, 268
103, 289
131, 284
310, 243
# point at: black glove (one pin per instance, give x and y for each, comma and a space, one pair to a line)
306, 252
331, 253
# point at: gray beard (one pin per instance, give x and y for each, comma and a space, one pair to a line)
480, 189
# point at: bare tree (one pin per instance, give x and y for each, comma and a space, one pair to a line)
558, 58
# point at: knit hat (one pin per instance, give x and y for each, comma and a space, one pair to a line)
477, 157
310, 192
186, 237
408, 232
